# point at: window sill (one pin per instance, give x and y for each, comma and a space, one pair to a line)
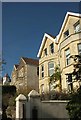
67, 66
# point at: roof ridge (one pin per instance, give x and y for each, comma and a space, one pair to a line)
30, 60
73, 13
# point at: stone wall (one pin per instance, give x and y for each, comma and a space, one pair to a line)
42, 109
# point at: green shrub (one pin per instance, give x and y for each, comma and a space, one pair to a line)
59, 96
55, 95
8, 89
74, 105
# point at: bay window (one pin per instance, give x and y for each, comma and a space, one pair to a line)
67, 54
51, 68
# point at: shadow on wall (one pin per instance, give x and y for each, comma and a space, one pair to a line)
51, 110
37, 109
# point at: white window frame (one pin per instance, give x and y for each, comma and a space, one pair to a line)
65, 34
79, 49
77, 26
50, 68
52, 48
67, 55
42, 71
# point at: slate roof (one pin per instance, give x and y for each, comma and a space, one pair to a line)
51, 35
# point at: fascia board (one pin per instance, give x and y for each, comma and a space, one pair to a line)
23, 60
66, 17
45, 35
14, 67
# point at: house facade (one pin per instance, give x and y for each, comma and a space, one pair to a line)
57, 50
25, 74
69, 44
48, 54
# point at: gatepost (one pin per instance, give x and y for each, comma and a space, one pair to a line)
34, 101
21, 107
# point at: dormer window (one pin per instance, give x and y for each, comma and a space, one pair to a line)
77, 26
45, 52
52, 48
66, 33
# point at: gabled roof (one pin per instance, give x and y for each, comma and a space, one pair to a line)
43, 41
56, 39
30, 61
16, 66
65, 20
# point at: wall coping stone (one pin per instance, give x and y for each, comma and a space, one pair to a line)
33, 93
21, 97
56, 101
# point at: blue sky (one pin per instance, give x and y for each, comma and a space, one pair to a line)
24, 24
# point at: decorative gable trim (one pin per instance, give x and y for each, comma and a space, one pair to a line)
65, 20
15, 67
43, 41
23, 60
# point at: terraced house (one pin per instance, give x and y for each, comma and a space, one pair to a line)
48, 54
56, 51
25, 74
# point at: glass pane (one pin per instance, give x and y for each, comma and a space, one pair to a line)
51, 65
52, 48
42, 68
77, 28
51, 45
67, 52
66, 33
79, 46
51, 72
42, 74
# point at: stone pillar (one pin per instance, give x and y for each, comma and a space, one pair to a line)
34, 101
21, 107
